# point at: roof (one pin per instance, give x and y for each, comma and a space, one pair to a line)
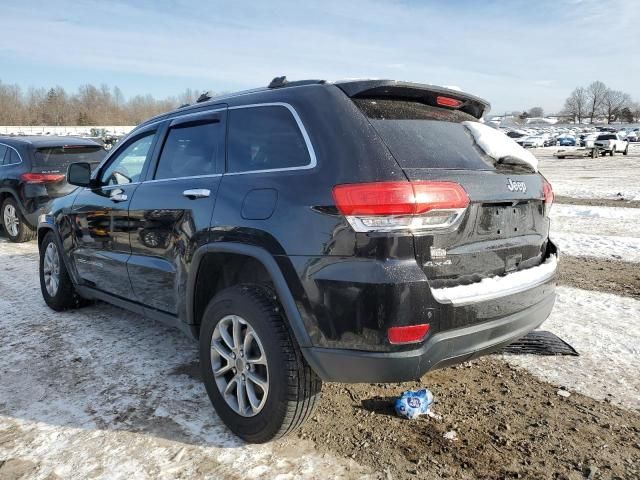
40, 141
353, 88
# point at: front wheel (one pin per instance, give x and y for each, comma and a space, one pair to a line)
612, 152
254, 372
626, 150
56, 286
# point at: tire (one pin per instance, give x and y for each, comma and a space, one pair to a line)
63, 296
626, 150
15, 226
293, 388
612, 152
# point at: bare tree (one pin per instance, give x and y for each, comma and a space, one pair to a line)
635, 111
536, 112
595, 96
576, 104
613, 102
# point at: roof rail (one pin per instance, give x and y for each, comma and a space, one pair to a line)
279, 82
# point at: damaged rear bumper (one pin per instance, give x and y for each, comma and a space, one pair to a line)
440, 350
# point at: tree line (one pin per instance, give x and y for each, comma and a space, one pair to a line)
598, 101
89, 105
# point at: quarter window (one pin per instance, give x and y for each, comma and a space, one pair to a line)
264, 138
4, 152
191, 150
127, 166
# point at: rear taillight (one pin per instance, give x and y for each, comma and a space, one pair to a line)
408, 334
548, 196
42, 177
387, 206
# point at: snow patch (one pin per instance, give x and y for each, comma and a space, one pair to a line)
599, 246
605, 330
500, 147
498, 286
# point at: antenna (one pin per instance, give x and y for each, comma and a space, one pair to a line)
204, 97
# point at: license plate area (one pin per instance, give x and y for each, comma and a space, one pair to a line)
505, 220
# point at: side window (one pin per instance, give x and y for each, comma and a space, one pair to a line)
11, 157
264, 138
129, 162
4, 153
190, 149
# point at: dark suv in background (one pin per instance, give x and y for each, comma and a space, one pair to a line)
308, 232
32, 172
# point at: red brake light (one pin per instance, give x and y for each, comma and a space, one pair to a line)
448, 102
548, 193
408, 334
42, 177
399, 198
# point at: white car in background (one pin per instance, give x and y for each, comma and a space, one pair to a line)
612, 143
533, 142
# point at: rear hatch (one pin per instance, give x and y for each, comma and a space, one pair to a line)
52, 162
504, 228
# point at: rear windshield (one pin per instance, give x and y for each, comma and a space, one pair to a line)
421, 136
607, 137
62, 156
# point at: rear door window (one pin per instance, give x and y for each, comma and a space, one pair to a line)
264, 138
422, 136
191, 149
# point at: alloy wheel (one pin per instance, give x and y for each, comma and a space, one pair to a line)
51, 269
239, 365
11, 220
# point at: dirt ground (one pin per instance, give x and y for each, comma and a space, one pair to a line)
612, 276
597, 202
515, 427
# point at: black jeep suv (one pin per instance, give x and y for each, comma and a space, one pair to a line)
32, 172
306, 232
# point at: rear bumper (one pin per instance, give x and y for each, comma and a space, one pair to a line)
442, 349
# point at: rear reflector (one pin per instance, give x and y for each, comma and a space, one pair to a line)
401, 205
448, 102
42, 177
408, 334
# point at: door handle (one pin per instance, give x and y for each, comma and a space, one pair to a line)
197, 193
118, 197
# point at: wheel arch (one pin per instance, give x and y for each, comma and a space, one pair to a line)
259, 258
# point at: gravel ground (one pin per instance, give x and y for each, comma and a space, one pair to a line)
508, 424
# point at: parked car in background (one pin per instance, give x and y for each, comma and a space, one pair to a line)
32, 173
550, 141
632, 137
309, 232
612, 143
567, 141
533, 142
588, 140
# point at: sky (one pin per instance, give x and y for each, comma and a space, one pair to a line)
517, 54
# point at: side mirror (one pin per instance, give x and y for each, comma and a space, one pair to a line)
79, 174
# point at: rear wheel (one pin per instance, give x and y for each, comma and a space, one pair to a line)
256, 377
626, 150
14, 223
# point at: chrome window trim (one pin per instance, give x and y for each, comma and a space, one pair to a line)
173, 179
312, 154
17, 152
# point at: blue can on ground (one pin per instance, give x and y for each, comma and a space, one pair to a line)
413, 404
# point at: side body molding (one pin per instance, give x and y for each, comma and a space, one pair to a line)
270, 264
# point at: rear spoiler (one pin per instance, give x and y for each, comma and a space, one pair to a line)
393, 89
